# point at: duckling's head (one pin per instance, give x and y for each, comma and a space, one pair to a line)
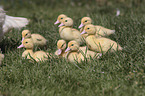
89, 29
61, 45
26, 34
60, 18
27, 43
85, 21
72, 46
66, 22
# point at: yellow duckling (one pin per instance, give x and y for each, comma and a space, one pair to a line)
29, 54
61, 45
38, 40
99, 44
101, 31
1, 57
68, 33
60, 18
75, 53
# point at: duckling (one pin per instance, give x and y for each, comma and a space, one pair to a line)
61, 45
8, 22
75, 53
68, 33
38, 40
60, 18
99, 44
1, 57
101, 31
28, 44
29, 54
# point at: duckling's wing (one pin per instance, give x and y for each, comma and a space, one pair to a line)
102, 31
14, 22
38, 37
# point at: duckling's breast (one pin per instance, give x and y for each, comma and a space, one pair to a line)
66, 34
72, 57
27, 54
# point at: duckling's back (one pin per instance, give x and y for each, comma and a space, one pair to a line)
102, 44
77, 36
38, 40
86, 53
101, 31
40, 56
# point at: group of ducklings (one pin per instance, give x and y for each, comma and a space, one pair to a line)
92, 35
29, 41
73, 39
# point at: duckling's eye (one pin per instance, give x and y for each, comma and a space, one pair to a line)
62, 45
86, 21
88, 28
26, 42
26, 34
61, 18
65, 20
72, 44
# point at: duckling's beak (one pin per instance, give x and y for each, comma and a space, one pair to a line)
21, 46
61, 25
81, 25
83, 32
22, 39
59, 51
67, 49
57, 22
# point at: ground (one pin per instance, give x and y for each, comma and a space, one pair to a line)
115, 74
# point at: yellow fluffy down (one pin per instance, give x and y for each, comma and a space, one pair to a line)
78, 54
40, 56
102, 44
68, 33
38, 40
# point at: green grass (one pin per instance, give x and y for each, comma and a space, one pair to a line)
115, 74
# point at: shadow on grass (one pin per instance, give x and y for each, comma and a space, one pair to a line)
8, 43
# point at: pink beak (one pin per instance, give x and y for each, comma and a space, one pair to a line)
59, 51
81, 25
21, 46
56, 22
22, 39
67, 49
61, 25
83, 32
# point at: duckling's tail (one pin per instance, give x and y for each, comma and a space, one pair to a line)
14, 22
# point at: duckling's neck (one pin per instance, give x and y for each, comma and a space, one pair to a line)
29, 49
63, 27
92, 35
70, 53
68, 26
